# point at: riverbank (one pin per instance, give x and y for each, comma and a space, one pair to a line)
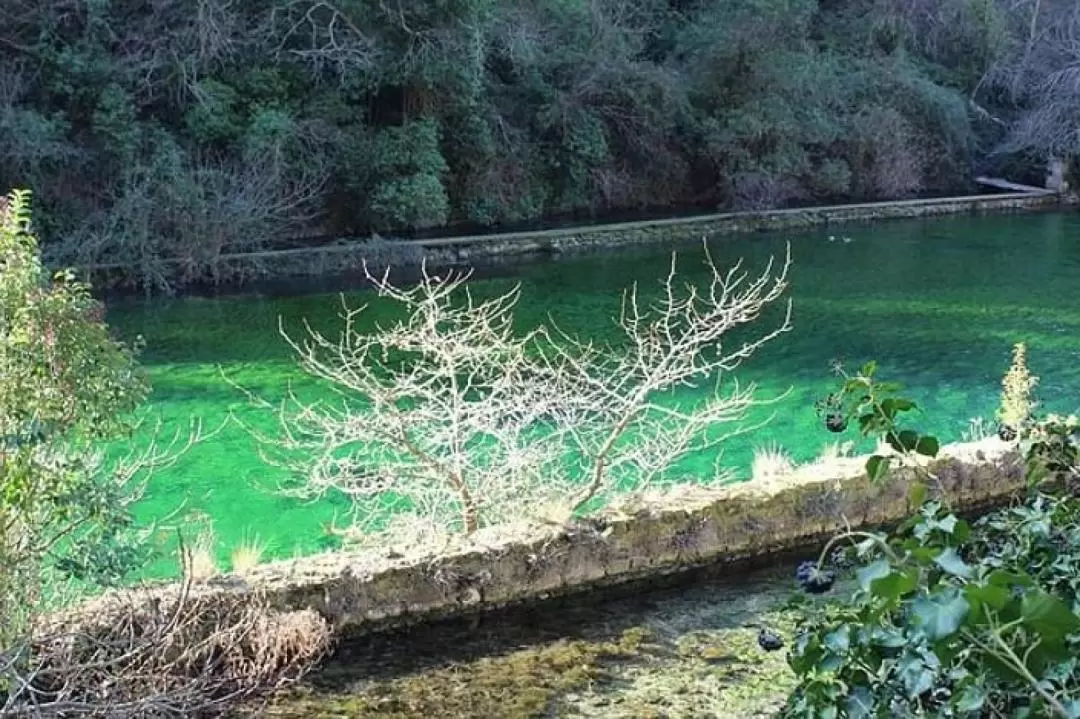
348, 255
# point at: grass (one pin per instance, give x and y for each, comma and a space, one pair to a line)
770, 462
200, 561
246, 556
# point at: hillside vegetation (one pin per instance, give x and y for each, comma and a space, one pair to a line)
188, 128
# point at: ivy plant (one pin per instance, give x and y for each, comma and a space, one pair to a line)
946, 617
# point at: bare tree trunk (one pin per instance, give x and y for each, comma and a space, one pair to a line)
1057, 168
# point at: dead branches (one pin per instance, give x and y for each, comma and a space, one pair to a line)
171, 652
460, 420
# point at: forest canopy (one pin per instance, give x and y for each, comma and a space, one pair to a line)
188, 128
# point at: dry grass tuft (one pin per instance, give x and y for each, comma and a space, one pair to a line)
198, 561
246, 556
771, 462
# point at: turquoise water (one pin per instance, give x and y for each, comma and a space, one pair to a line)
938, 303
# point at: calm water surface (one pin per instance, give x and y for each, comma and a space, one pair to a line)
938, 303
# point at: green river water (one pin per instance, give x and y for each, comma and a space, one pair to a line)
938, 303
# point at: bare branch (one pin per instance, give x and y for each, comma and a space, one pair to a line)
470, 422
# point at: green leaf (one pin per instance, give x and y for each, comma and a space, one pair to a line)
877, 467
866, 575
993, 596
839, 641
940, 616
904, 405
859, 704
1050, 617
971, 698
917, 494
951, 563
895, 585
946, 524
1001, 578
903, 441
927, 446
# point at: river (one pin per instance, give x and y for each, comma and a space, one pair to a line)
937, 302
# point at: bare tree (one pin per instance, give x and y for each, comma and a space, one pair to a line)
1040, 72
464, 421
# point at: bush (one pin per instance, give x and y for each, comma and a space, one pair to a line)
416, 201
65, 523
949, 617
65, 385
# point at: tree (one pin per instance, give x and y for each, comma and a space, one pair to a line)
457, 420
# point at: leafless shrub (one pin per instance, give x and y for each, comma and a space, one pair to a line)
474, 423
169, 652
764, 190
324, 35
888, 160
173, 221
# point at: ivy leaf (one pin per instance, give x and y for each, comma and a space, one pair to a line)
971, 699
895, 584
993, 596
839, 641
866, 575
860, 704
1050, 617
951, 563
940, 616
927, 446
877, 467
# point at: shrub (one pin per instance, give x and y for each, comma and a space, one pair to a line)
413, 202
455, 418
950, 617
65, 514
65, 384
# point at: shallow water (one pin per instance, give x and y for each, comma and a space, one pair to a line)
937, 302
687, 650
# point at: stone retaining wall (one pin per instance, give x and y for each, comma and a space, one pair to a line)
347, 256
652, 537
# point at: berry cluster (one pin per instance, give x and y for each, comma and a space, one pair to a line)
832, 410
769, 640
813, 579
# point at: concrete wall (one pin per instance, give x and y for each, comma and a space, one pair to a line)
346, 256
641, 539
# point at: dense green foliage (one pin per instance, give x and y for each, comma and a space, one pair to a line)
65, 384
950, 618
186, 128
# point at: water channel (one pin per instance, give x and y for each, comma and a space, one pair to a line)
937, 302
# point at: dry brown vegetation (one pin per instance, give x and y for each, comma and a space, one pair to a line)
167, 652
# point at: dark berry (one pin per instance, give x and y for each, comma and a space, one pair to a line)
769, 640
814, 580
804, 571
1006, 433
835, 422
841, 559
820, 583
